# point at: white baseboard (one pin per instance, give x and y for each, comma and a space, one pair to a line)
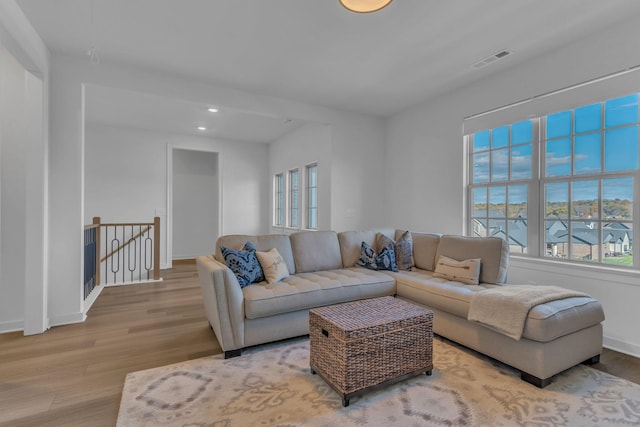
621, 346
93, 296
13, 326
67, 319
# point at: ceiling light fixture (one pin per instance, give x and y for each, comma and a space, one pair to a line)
365, 6
202, 128
212, 110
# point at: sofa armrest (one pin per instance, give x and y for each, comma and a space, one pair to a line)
223, 302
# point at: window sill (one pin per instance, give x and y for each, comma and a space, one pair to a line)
626, 276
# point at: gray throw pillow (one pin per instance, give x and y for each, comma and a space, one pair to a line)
403, 249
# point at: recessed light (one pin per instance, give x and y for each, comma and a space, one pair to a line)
212, 110
202, 128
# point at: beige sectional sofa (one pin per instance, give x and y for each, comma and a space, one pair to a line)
557, 335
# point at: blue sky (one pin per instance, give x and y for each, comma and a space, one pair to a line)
616, 138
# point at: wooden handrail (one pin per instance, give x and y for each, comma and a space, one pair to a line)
147, 225
128, 242
121, 224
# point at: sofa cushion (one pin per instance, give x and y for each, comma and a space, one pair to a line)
384, 260
466, 271
555, 319
402, 246
493, 252
450, 296
307, 290
425, 246
350, 242
244, 264
545, 322
262, 243
273, 265
316, 251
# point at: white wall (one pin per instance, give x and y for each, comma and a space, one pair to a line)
26, 140
126, 179
351, 169
310, 143
358, 173
351, 134
12, 192
195, 203
425, 163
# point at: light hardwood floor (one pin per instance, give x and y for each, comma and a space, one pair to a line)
73, 375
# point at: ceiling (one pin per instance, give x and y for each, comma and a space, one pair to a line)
135, 110
317, 52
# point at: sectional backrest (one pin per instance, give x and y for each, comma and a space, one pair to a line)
351, 242
309, 251
316, 251
492, 251
262, 243
425, 246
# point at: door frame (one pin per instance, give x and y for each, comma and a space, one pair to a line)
169, 210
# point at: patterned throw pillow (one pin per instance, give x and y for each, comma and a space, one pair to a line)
467, 271
244, 264
273, 265
403, 249
385, 260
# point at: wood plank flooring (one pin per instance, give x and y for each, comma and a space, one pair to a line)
73, 375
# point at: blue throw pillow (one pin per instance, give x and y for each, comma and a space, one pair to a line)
244, 264
367, 257
403, 249
385, 260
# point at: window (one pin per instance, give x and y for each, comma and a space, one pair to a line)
312, 196
502, 172
278, 202
561, 185
293, 198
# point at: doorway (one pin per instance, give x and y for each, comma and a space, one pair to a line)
194, 203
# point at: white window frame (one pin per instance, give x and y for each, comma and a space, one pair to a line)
311, 203
279, 200
293, 193
536, 230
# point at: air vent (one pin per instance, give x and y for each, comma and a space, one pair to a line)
490, 59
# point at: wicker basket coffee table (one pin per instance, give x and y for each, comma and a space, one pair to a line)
361, 345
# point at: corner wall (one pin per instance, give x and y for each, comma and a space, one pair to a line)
351, 135
126, 179
426, 164
310, 143
25, 69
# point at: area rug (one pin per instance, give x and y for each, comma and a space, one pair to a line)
272, 386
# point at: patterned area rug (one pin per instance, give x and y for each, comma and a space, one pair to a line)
272, 386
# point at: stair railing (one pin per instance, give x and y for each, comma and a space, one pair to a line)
121, 253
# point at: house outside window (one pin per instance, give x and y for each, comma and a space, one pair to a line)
560, 186
294, 202
279, 200
312, 196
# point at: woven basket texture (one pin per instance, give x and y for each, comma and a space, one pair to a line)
364, 343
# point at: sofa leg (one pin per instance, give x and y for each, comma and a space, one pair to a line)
232, 353
538, 382
593, 360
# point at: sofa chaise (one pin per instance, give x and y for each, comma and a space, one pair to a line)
322, 265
